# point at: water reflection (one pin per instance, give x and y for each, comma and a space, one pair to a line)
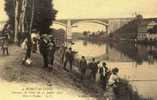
139, 53
137, 63
89, 49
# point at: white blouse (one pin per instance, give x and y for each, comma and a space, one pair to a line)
113, 78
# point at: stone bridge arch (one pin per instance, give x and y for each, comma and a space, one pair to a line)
69, 23
91, 21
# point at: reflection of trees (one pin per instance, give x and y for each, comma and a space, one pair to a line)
128, 31
139, 53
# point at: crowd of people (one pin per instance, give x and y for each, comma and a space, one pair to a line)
108, 78
90, 69
47, 48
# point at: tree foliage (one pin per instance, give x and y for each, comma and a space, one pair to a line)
26, 15
44, 14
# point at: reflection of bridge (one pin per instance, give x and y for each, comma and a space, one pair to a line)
111, 24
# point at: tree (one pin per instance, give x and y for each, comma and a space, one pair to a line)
25, 15
20, 15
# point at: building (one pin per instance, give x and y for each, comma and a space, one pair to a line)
146, 29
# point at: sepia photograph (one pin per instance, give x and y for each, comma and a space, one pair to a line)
78, 50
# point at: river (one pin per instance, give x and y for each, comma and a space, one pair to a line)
137, 63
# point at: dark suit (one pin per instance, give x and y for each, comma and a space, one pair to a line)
83, 67
52, 50
94, 69
43, 46
103, 76
69, 57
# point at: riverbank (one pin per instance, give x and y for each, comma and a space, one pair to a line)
14, 75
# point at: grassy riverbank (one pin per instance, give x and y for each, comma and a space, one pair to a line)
67, 83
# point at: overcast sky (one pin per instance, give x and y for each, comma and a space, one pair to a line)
104, 8
99, 8
2, 12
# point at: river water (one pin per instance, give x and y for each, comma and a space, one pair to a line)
137, 63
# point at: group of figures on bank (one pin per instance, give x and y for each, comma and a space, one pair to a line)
47, 47
108, 78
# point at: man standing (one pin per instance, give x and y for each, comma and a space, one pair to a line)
34, 37
94, 69
52, 50
83, 66
5, 44
63, 50
5, 47
69, 57
104, 74
43, 46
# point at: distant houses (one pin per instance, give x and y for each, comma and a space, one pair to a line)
140, 29
147, 30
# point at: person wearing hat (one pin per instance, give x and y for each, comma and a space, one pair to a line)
69, 58
83, 67
43, 47
63, 50
34, 37
114, 81
93, 65
5, 46
52, 49
104, 74
114, 77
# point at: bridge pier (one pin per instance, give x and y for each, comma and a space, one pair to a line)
68, 24
107, 30
69, 29
68, 33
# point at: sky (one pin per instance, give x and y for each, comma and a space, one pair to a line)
99, 8
104, 8
3, 16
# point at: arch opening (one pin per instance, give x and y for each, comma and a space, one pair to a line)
92, 21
